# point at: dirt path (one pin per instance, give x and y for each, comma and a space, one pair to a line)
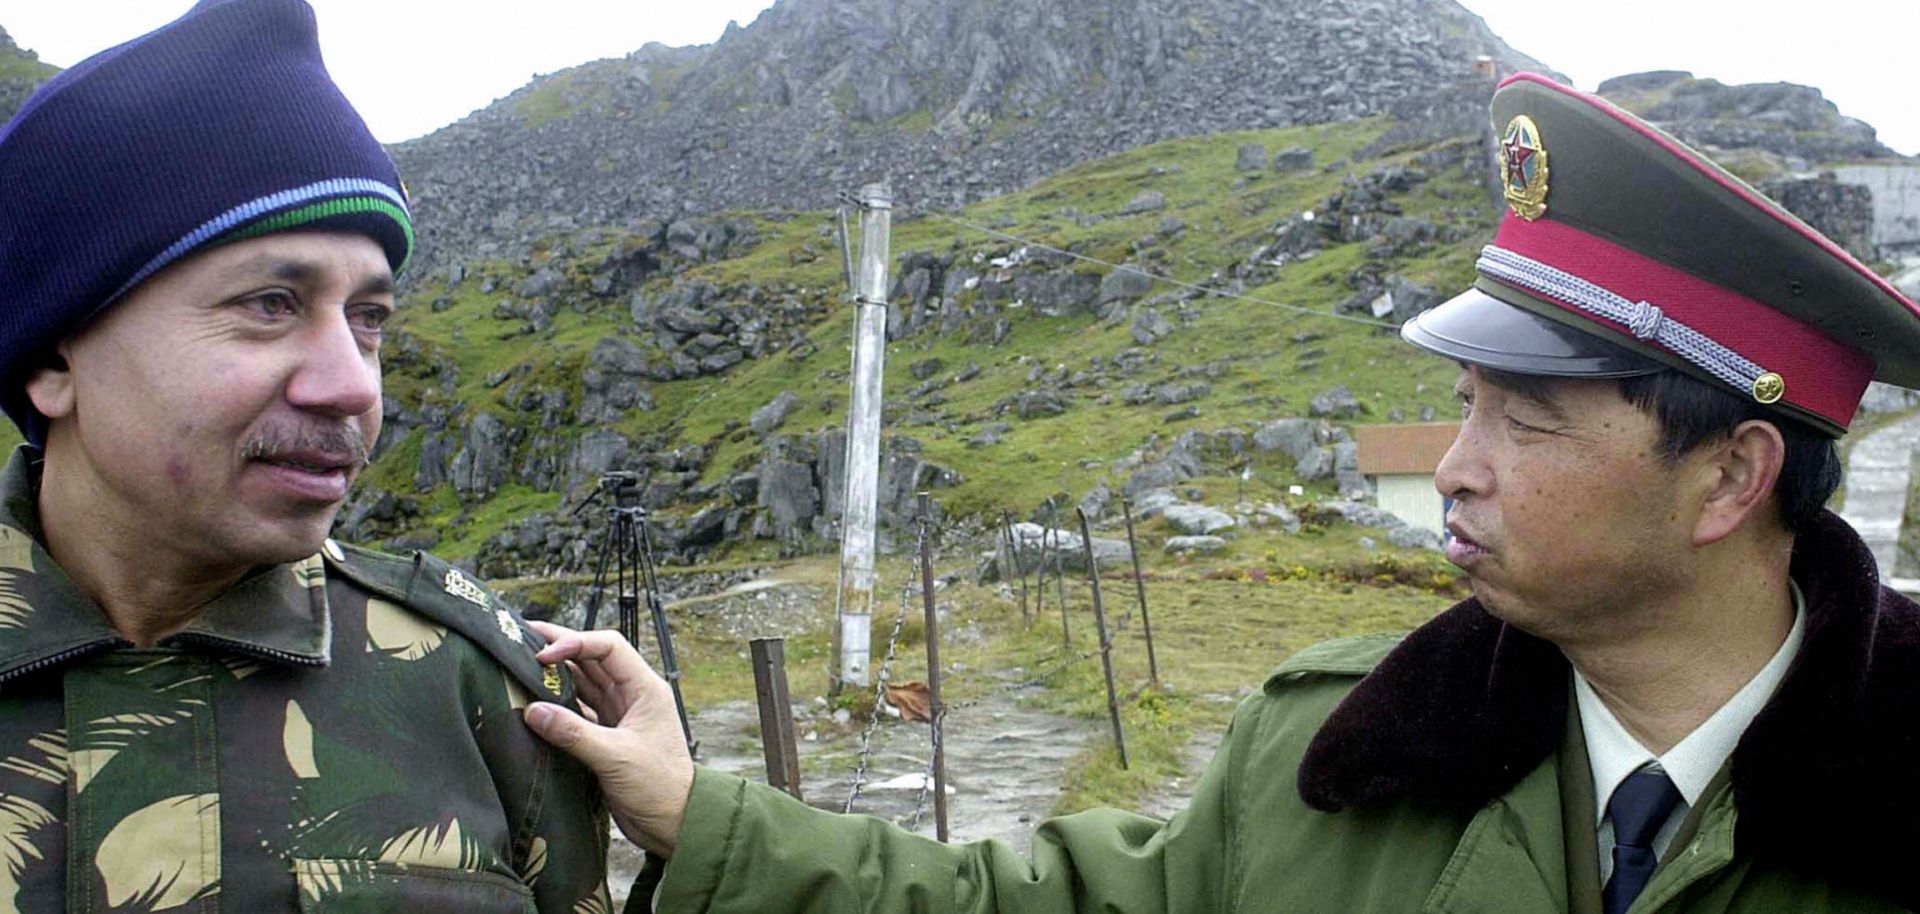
1004, 766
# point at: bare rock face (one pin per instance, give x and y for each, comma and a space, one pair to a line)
1797, 122
953, 102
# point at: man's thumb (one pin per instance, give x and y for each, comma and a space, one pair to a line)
564, 729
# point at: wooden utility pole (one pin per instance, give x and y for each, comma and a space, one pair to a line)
860, 509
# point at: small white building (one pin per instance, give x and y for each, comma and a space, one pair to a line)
1400, 460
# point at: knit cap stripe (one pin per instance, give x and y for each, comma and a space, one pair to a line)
327, 210
240, 215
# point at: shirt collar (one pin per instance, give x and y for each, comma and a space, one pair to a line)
1613, 753
278, 613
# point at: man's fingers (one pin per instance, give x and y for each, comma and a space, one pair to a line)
623, 666
584, 684
557, 725
573, 734
611, 652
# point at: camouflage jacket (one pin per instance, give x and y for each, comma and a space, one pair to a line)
337, 735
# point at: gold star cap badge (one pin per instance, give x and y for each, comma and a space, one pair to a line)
1523, 168
1769, 388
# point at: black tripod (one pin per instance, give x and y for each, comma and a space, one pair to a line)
626, 541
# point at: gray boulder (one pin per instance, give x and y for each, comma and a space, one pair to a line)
481, 466
544, 282
721, 361
601, 450
1351, 484
1292, 437
1315, 464
1195, 545
1147, 201
1150, 327
1294, 158
612, 383
1197, 519
1252, 157
1337, 403
1277, 514
1175, 394
687, 320
1150, 503
1107, 553
1094, 503
1409, 299
743, 489
1363, 515
1124, 284
1181, 462
1411, 537
787, 496
1034, 404
770, 417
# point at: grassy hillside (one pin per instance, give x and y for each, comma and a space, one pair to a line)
453, 346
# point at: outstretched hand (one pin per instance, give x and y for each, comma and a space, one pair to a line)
633, 743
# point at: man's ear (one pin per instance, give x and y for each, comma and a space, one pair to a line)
50, 387
1741, 471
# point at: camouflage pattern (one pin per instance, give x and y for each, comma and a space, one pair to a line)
337, 735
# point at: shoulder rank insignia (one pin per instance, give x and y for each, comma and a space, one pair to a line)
460, 586
1523, 168
509, 627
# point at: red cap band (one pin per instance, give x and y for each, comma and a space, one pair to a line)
1822, 376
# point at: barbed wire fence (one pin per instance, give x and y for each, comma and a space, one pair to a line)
1050, 668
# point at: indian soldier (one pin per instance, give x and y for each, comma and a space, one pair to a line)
1679, 685
205, 703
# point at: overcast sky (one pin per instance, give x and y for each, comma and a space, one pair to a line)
412, 66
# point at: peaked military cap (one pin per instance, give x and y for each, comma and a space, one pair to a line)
1624, 252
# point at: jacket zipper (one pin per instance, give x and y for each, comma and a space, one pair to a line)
265, 653
69, 654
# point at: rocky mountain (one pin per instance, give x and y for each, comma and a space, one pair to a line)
1794, 144
951, 101
1796, 123
637, 269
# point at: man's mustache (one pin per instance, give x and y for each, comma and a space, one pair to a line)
280, 439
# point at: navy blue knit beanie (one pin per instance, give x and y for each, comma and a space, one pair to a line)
218, 126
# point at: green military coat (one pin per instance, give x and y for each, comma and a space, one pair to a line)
337, 735
1440, 772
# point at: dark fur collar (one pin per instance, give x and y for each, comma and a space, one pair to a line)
1826, 779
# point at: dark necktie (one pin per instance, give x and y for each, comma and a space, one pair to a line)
1640, 805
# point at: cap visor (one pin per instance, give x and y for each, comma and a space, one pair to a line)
1478, 329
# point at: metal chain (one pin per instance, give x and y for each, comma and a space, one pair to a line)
879, 691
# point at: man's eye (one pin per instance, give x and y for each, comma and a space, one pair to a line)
369, 318
273, 305
1522, 426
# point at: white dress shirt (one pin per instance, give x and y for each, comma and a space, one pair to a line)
1613, 753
